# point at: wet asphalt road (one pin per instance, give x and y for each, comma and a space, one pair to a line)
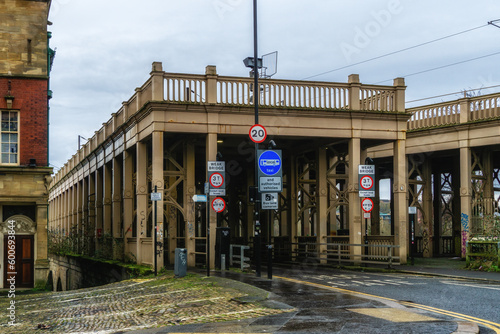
336, 300
469, 297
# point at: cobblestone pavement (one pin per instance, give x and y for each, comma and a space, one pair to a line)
132, 304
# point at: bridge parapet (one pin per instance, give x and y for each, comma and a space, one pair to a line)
225, 90
211, 88
455, 112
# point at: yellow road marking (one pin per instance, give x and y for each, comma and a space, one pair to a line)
492, 325
392, 314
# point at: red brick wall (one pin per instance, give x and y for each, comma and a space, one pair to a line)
30, 99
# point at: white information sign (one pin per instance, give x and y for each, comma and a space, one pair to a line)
217, 192
270, 184
199, 198
269, 201
156, 196
216, 166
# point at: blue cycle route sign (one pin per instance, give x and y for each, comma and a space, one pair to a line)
270, 162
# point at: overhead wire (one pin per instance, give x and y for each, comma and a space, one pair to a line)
444, 66
449, 94
398, 51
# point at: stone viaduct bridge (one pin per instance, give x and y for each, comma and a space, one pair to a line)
441, 159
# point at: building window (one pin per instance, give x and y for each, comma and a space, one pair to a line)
10, 137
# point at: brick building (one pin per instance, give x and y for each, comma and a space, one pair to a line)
25, 60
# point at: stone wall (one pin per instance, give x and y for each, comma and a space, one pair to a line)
70, 273
23, 37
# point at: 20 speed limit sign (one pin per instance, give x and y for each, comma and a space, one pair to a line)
367, 204
216, 180
218, 204
257, 133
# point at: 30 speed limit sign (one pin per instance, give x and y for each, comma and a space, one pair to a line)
367, 204
218, 204
216, 180
257, 133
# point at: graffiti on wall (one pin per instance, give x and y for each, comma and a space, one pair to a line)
464, 219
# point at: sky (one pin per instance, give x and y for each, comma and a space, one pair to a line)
105, 49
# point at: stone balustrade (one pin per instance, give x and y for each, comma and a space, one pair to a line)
238, 91
455, 112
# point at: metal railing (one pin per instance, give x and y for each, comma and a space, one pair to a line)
240, 258
346, 253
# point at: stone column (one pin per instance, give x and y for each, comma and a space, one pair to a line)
158, 182
41, 261
128, 200
489, 192
355, 226
211, 90
85, 211
399, 190
428, 208
322, 202
99, 201
141, 199
91, 238
465, 195
78, 218
157, 81
116, 224
189, 205
107, 198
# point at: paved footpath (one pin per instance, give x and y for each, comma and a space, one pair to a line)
135, 304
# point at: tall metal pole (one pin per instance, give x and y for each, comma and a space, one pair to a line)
256, 100
269, 245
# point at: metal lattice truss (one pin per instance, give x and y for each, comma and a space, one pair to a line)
337, 183
496, 189
306, 188
446, 197
417, 184
173, 175
478, 178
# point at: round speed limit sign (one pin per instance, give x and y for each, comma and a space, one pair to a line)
257, 133
366, 182
218, 204
216, 180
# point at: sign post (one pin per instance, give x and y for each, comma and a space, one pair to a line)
216, 186
270, 184
366, 176
155, 197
